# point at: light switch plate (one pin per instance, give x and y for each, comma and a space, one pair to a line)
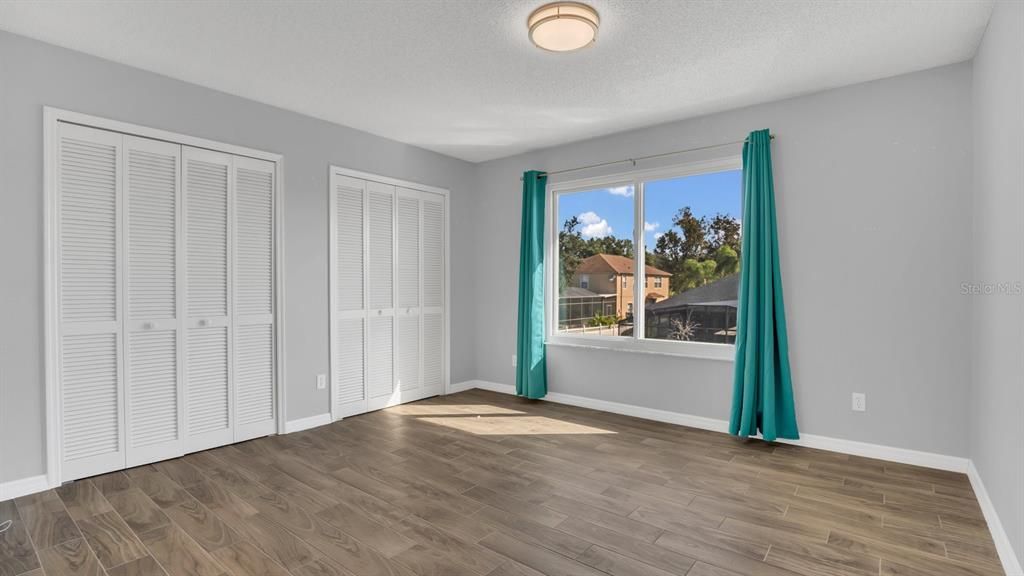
321, 381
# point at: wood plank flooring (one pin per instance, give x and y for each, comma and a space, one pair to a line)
484, 484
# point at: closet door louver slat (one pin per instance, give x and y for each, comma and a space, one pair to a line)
254, 298
409, 354
348, 303
433, 351
152, 375
350, 367
208, 414
434, 254
380, 361
380, 219
407, 232
380, 293
89, 292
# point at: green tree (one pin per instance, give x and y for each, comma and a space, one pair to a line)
694, 241
571, 248
727, 261
695, 273
723, 230
697, 251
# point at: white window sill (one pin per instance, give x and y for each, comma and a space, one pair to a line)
699, 350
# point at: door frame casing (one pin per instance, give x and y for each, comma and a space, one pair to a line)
52, 117
332, 279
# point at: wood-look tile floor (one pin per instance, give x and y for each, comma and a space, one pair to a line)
479, 483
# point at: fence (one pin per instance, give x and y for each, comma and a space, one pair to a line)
612, 330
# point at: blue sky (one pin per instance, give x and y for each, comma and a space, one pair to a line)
609, 212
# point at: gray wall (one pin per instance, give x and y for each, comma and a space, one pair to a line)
997, 383
33, 74
873, 189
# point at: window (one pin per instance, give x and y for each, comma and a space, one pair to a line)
595, 230
681, 226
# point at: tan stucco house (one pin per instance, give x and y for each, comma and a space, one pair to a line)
607, 274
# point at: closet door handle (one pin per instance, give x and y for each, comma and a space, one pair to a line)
203, 322
147, 326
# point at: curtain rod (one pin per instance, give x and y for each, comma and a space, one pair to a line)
651, 157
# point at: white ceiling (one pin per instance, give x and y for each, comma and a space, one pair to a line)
462, 78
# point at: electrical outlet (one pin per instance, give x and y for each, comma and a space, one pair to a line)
513, 360
321, 381
860, 402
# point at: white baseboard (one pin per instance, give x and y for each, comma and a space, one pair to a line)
307, 423
466, 385
23, 487
1011, 565
890, 453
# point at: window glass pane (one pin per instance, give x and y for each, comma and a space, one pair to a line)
595, 262
692, 230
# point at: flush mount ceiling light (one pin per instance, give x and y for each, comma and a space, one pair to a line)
563, 26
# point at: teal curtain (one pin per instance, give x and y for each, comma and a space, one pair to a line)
531, 367
762, 395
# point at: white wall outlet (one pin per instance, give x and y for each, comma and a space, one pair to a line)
321, 381
513, 360
860, 402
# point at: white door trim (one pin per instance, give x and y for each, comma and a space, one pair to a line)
398, 183
51, 118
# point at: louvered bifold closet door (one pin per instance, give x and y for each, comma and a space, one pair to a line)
254, 298
153, 394
435, 349
348, 281
208, 179
407, 275
380, 293
88, 287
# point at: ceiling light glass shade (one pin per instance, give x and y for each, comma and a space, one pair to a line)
563, 26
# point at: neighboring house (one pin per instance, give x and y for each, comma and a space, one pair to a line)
710, 309
609, 283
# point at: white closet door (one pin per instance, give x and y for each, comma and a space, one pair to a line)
89, 295
348, 281
153, 394
208, 180
254, 298
407, 232
434, 268
380, 293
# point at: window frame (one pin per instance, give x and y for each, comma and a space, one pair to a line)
636, 343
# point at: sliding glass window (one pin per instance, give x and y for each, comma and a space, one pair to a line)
647, 261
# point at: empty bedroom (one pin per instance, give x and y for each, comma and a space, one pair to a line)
511, 288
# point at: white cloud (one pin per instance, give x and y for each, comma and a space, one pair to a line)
650, 226
626, 191
594, 226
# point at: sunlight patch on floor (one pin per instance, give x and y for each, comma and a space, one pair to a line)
453, 409
513, 425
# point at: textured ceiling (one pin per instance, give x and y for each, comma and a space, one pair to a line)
462, 78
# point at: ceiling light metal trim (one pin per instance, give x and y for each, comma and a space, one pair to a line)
576, 11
